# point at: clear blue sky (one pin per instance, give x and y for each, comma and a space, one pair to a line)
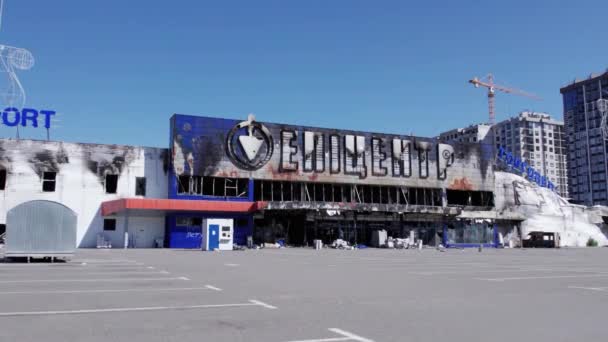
115, 71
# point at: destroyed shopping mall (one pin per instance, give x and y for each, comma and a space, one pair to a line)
275, 183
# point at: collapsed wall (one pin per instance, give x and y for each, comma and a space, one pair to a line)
544, 210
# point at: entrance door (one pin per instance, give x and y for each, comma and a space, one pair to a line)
214, 236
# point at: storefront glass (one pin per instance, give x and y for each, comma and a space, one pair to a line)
470, 233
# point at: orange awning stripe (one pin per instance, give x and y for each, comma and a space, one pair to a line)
116, 206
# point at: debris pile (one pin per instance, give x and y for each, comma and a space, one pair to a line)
545, 211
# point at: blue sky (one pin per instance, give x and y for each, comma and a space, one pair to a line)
115, 71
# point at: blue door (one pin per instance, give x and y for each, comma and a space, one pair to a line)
214, 236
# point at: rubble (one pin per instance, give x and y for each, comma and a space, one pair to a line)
544, 210
341, 244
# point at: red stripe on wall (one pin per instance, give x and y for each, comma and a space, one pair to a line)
116, 206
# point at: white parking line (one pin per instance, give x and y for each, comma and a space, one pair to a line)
602, 289
545, 277
105, 291
350, 335
147, 308
346, 336
502, 270
86, 280
78, 270
15, 265
267, 306
103, 261
112, 264
211, 287
231, 265
139, 265
86, 273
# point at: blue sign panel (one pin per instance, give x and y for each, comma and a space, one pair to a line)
25, 117
250, 149
515, 163
185, 237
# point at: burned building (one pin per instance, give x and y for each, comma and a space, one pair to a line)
273, 182
309, 183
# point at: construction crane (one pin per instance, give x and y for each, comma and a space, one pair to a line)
492, 88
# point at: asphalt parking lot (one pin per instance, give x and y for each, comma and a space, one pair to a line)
306, 295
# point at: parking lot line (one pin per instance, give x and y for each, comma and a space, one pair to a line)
602, 289
346, 336
112, 263
330, 339
133, 309
350, 335
104, 291
267, 306
502, 270
545, 277
103, 261
87, 273
104, 266
16, 265
211, 287
87, 280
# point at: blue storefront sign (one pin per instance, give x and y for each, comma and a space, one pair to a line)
515, 163
25, 117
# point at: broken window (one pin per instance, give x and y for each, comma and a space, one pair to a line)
331, 192
212, 186
470, 198
183, 184
286, 191
111, 183
257, 191
140, 186
318, 192
266, 191
2, 179
109, 224
297, 191
49, 181
242, 187
402, 195
470, 232
328, 193
195, 185
208, 186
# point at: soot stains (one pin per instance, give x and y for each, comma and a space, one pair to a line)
46, 160
108, 160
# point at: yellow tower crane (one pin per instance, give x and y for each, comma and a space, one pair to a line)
492, 88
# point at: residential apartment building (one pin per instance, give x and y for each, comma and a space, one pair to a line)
472, 133
586, 145
533, 137
537, 139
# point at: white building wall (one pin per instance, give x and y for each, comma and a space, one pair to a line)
80, 183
